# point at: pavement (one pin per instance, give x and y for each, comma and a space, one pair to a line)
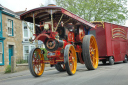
25, 72
20, 73
104, 75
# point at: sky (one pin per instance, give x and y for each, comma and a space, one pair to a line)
21, 5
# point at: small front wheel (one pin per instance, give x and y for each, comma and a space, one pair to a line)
35, 61
70, 59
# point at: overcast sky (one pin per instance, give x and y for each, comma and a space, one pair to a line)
20, 5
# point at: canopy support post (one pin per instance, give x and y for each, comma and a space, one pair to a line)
36, 41
52, 21
59, 21
34, 23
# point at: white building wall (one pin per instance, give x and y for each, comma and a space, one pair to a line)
26, 43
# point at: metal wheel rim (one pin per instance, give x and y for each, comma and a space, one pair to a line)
37, 62
72, 59
93, 49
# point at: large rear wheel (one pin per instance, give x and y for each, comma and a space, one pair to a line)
36, 65
90, 52
70, 59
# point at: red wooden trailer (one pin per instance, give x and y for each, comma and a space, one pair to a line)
112, 42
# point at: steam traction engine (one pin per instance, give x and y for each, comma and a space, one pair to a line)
66, 39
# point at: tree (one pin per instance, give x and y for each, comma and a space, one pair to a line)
114, 11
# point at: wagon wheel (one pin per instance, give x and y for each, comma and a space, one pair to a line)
70, 59
60, 67
35, 62
111, 60
90, 52
125, 60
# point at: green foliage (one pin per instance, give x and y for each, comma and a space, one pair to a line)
21, 61
8, 69
114, 11
45, 53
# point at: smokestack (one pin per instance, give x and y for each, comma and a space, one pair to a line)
50, 3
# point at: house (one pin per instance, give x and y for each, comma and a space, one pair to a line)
10, 37
14, 37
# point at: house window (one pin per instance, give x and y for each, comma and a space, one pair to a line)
25, 30
26, 52
32, 47
10, 27
1, 53
39, 46
31, 28
0, 23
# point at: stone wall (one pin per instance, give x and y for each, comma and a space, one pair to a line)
15, 40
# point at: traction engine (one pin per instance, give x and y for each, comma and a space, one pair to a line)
66, 39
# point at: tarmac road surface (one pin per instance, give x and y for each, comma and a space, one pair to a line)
104, 75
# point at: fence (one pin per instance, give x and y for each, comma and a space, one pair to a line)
21, 59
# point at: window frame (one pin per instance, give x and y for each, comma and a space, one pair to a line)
10, 27
25, 26
24, 57
30, 47
31, 28
1, 23
2, 63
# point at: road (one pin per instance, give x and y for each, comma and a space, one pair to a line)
103, 75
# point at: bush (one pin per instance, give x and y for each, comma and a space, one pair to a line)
45, 53
8, 69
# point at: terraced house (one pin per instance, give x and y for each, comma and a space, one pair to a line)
14, 37
10, 37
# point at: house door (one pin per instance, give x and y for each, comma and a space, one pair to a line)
10, 53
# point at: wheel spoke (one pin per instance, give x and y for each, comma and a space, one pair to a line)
93, 64
34, 57
92, 52
94, 49
92, 42
34, 67
71, 66
94, 58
